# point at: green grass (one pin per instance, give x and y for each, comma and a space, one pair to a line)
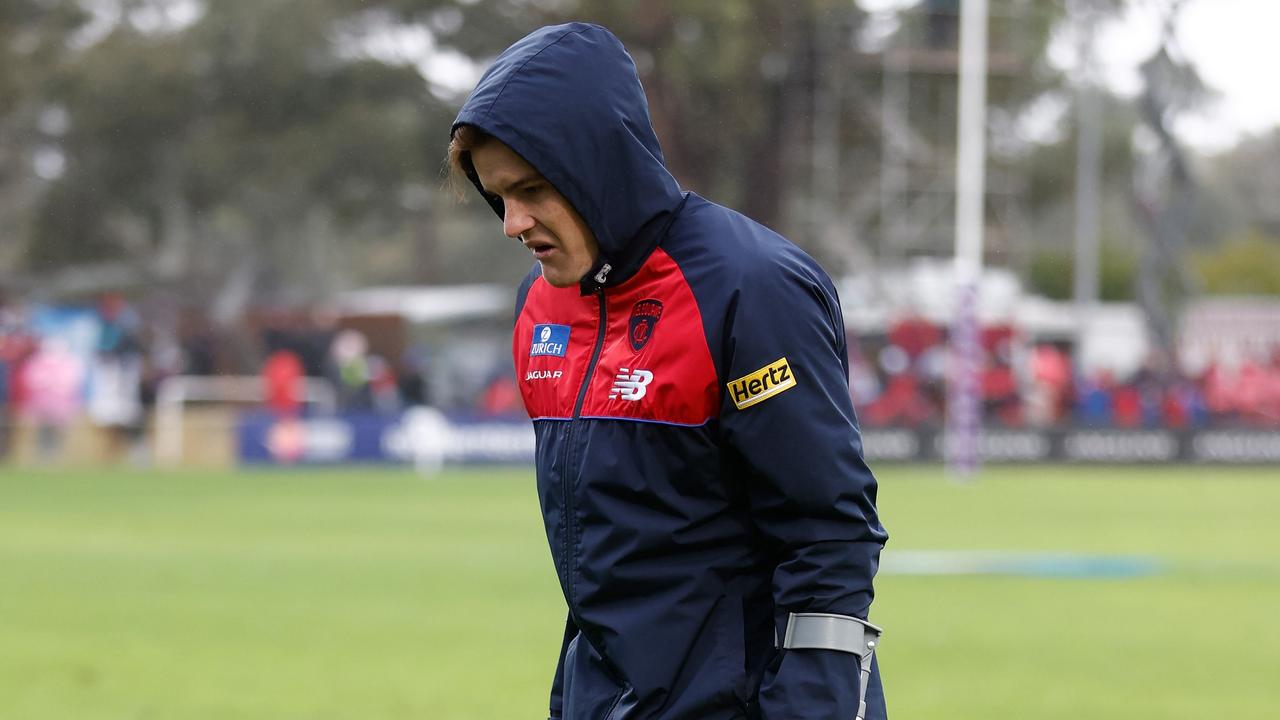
366, 594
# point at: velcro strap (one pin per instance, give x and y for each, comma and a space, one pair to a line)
824, 631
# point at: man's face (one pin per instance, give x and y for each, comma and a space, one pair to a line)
537, 214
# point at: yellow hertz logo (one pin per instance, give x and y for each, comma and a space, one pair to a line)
774, 378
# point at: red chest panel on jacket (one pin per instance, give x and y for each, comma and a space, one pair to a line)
654, 364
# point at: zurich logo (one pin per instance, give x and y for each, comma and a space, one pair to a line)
552, 340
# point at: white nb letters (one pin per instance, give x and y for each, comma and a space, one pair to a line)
630, 384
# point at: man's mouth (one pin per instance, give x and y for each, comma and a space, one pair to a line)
540, 249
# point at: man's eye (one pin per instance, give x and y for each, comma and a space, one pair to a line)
530, 190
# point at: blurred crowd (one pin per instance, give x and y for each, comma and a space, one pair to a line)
899, 379
372, 367
102, 363
61, 365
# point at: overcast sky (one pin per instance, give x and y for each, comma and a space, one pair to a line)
1234, 44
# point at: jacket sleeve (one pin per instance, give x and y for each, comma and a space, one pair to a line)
788, 415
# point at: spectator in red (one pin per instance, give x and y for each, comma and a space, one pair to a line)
1272, 404
501, 396
903, 402
1126, 404
1000, 392
1176, 407
1219, 392
915, 336
1259, 393
282, 375
1051, 383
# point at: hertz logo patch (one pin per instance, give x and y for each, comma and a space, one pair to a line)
774, 378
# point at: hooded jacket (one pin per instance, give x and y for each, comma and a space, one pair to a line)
699, 465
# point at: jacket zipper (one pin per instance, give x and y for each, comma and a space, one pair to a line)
566, 477
595, 358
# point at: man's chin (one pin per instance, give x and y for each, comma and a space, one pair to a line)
557, 278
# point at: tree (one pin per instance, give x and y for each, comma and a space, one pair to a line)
1166, 193
731, 88
1246, 179
238, 150
1052, 272
242, 135
32, 35
244, 150
1247, 265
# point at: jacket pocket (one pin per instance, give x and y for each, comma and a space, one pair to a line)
622, 706
590, 691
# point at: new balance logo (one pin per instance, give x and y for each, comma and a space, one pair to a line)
630, 384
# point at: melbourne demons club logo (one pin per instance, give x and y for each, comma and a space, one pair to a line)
644, 318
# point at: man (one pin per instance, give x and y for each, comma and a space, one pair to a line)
699, 467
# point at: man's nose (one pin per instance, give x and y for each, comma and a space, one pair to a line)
516, 220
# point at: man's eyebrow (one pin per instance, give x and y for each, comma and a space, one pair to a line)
531, 176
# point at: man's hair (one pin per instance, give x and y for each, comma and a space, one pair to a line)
465, 139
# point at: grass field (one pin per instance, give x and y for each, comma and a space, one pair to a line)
367, 594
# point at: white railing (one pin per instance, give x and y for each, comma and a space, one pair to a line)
175, 392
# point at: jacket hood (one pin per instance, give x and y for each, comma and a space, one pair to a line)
568, 100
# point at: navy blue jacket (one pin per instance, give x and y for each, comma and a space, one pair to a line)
699, 465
